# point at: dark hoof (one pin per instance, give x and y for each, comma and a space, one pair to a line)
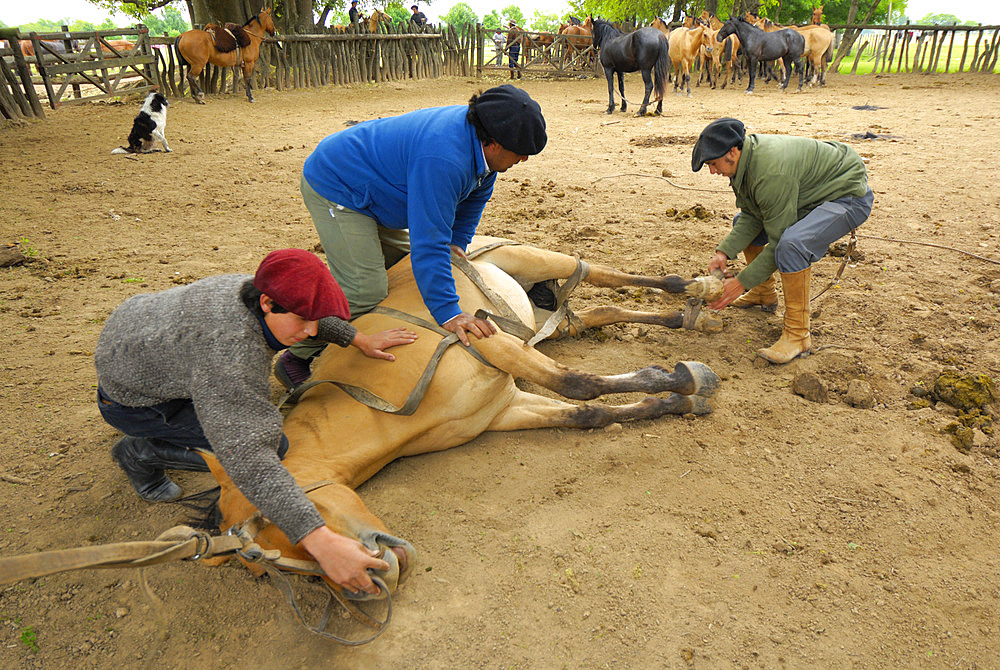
698, 379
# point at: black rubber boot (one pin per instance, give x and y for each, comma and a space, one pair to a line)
143, 463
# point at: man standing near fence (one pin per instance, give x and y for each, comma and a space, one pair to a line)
514, 37
416, 184
499, 41
796, 197
354, 14
417, 19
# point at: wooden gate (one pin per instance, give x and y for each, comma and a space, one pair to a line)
551, 54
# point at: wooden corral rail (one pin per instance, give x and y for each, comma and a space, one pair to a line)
86, 63
342, 56
919, 48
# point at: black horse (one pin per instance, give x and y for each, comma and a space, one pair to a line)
645, 49
758, 45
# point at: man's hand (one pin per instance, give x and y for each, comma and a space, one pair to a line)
373, 345
719, 262
466, 323
345, 561
731, 290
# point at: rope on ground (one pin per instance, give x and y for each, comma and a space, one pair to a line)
931, 244
639, 174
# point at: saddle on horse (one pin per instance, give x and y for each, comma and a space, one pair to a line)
228, 38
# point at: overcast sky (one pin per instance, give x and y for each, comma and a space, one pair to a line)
15, 13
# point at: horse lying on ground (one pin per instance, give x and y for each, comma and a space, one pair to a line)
336, 443
196, 48
645, 49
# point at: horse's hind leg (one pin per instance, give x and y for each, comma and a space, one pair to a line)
528, 410
611, 90
530, 265
647, 79
621, 89
509, 354
247, 71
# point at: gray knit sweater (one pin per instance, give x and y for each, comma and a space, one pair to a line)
201, 342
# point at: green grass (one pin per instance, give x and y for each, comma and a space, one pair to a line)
867, 61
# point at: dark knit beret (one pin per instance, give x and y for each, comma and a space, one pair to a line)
512, 118
718, 137
301, 283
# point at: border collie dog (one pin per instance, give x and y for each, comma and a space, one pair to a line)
148, 127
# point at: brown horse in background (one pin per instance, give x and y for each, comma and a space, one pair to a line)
196, 48
376, 18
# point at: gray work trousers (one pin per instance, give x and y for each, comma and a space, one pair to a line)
808, 239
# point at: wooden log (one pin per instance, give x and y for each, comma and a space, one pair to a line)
951, 43
990, 55
975, 54
937, 52
43, 71
26, 97
8, 103
965, 51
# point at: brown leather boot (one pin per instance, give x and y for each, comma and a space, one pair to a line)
795, 338
763, 294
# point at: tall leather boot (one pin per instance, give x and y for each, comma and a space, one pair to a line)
795, 338
763, 294
144, 461
512, 73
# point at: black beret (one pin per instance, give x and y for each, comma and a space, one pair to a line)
512, 118
718, 137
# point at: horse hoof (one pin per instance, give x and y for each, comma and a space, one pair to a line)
199, 101
699, 378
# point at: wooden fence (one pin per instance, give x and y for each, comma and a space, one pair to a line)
921, 48
340, 56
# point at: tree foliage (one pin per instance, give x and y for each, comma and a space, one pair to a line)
512, 13
460, 15
546, 23
398, 12
939, 20
172, 22
492, 20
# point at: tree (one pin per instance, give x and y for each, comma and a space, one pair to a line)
172, 23
460, 16
938, 20
546, 23
512, 13
398, 12
492, 21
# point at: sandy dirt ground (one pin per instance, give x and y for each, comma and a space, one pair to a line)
845, 532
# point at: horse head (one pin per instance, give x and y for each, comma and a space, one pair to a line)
266, 21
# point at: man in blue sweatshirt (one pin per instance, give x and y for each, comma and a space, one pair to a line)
415, 183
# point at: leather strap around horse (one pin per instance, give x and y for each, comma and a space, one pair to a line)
370, 399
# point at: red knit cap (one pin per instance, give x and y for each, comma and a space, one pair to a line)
301, 283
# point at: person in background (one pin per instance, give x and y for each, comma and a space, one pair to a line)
514, 37
415, 183
796, 196
499, 41
353, 13
417, 19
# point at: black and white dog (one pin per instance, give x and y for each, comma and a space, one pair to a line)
148, 127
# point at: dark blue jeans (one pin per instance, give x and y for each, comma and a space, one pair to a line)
173, 422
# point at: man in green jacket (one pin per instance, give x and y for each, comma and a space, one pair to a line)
796, 196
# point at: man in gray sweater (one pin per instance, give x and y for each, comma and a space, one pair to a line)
189, 367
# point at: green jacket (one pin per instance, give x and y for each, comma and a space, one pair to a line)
778, 181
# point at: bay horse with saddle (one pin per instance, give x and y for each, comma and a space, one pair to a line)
645, 50
230, 45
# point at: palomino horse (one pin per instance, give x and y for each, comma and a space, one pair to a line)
336, 443
685, 44
818, 48
757, 45
645, 49
197, 47
377, 17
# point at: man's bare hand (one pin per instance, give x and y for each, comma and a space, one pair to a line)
374, 345
344, 560
466, 323
731, 290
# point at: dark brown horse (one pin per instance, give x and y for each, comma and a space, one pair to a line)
197, 47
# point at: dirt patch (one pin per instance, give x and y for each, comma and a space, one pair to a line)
775, 532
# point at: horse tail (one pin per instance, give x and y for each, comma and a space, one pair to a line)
180, 56
661, 69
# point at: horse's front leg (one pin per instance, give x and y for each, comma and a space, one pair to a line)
752, 72
621, 89
509, 354
609, 73
247, 71
798, 66
604, 315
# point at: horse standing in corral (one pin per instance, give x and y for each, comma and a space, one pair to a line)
579, 38
645, 49
196, 48
685, 44
758, 46
337, 443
